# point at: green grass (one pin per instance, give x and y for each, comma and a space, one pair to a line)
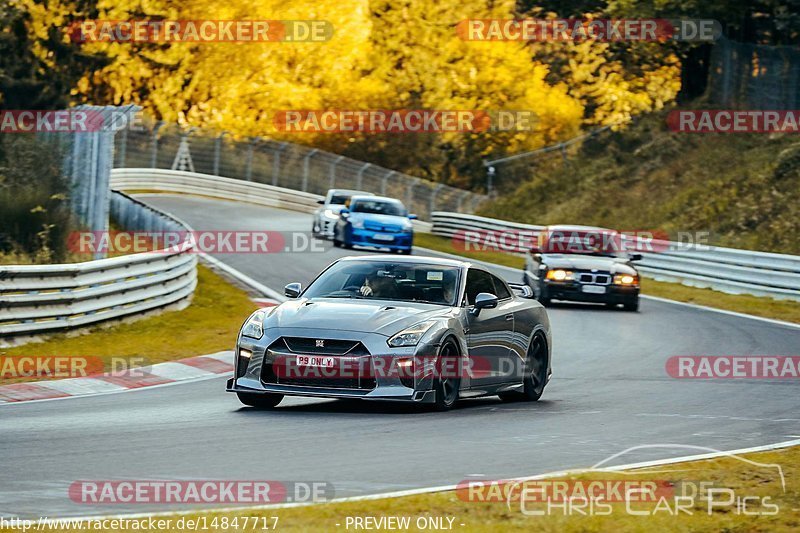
745, 479
743, 189
209, 324
753, 305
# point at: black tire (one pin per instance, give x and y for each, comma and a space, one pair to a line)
632, 305
535, 373
447, 384
544, 301
261, 401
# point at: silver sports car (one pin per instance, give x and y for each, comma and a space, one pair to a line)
415, 329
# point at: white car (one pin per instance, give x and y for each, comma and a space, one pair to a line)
326, 216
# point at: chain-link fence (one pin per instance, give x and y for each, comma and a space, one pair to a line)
281, 164
744, 75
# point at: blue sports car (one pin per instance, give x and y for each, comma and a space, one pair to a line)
375, 221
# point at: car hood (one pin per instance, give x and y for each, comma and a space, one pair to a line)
384, 317
388, 220
614, 265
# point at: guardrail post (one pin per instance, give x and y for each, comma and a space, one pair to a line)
461, 198
434, 194
385, 180
217, 150
360, 176
122, 148
154, 146
250, 148
410, 193
332, 172
308, 156
276, 163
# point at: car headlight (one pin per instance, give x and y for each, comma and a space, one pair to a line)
410, 336
357, 223
559, 275
253, 327
625, 279
330, 214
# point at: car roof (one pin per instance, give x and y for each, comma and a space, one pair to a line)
373, 198
382, 258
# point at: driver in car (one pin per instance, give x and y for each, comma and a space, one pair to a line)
378, 287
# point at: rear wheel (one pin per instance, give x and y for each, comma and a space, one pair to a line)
449, 379
535, 373
262, 401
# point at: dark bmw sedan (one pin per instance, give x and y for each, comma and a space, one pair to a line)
583, 264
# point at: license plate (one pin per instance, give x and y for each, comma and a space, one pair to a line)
315, 360
594, 289
383, 237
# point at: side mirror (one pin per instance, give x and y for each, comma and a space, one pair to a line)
321, 201
413, 217
484, 300
635, 257
292, 290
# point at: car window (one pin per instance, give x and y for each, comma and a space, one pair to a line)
378, 207
500, 288
409, 282
478, 281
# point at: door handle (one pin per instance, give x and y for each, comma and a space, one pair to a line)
510, 316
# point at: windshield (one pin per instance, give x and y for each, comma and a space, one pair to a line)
379, 280
600, 242
340, 199
379, 207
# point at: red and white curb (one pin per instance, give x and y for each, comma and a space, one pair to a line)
192, 369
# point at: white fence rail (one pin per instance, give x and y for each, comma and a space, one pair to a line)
724, 269
41, 298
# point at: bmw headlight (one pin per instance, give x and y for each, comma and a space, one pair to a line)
357, 223
253, 328
410, 336
330, 214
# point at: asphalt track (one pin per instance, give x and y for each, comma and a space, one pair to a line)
610, 392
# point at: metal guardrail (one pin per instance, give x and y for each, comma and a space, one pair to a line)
42, 298
185, 182
280, 164
726, 270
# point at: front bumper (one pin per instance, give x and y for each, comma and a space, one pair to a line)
574, 292
364, 237
258, 373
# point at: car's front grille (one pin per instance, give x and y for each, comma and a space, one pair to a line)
374, 226
598, 279
351, 369
307, 345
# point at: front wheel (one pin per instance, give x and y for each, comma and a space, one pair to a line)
449, 379
261, 401
535, 377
